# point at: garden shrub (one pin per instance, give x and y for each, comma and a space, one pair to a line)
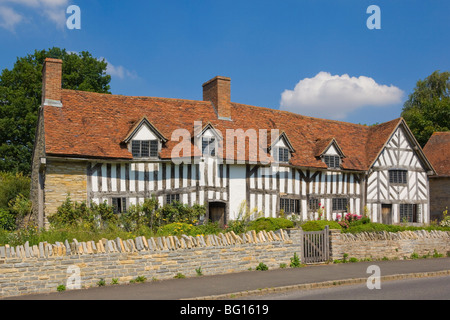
318, 225
270, 224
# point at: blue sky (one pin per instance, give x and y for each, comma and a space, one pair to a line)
340, 68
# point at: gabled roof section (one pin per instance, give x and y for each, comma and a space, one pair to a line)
144, 122
283, 136
437, 151
210, 126
322, 146
384, 132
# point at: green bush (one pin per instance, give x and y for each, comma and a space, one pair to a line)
318, 225
177, 229
7, 220
270, 224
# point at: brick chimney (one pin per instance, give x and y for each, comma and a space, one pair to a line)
217, 90
51, 82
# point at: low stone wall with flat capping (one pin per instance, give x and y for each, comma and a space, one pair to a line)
382, 245
42, 268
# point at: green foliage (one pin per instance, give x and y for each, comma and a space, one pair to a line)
114, 281
140, 279
179, 275
243, 219
11, 186
178, 228
262, 267
101, 282
318, 225
427, 109
71, 214
20, 98
378, 227
7, 220
295, 261
270, 224
61, 288
199, 271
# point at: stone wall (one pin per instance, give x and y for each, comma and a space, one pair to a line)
381, 245
42, 268
62, 179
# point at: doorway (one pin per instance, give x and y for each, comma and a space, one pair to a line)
386, 213
217, 213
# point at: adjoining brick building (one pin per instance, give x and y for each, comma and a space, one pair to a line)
437, 150
122, 149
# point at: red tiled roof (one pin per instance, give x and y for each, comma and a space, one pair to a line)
437, 151
93, 125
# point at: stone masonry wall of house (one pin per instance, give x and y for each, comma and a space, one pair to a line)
63, 179
42, 268
382, 245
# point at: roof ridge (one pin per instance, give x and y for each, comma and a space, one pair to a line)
135, 97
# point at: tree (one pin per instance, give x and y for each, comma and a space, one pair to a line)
427, 109
20, 98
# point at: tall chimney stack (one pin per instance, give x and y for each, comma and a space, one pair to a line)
217, 90
52, 82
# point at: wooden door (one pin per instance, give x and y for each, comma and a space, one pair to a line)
217, 213
386, 213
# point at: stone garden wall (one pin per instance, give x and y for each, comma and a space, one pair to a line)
388, 245
42, 268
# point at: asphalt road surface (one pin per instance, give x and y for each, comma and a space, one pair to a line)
433, 288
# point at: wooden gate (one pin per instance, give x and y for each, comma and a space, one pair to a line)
316, 246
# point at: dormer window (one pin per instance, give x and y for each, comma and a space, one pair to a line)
144, 140
209, 146
332, 162
281, 149
283, 154
329, 152
144, 148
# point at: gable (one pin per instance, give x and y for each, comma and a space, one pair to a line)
402, 151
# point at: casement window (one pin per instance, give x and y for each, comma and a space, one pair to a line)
144, 148
209, 146
340, 204
313, 204
171, 198
398, 176
290, 205
409, 212
332, 162
119, 205
281, 154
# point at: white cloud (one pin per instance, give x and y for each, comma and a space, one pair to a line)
53, 10
9, 18
334, 96
119, 71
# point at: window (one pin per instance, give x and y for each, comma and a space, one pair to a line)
409, 212
340, 204
171, 198
332, 162
119, 205
144, 148
282, 154
209, 146
290, 205
398, 176
313, 204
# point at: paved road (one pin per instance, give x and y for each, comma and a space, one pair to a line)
429, 288
213, 286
